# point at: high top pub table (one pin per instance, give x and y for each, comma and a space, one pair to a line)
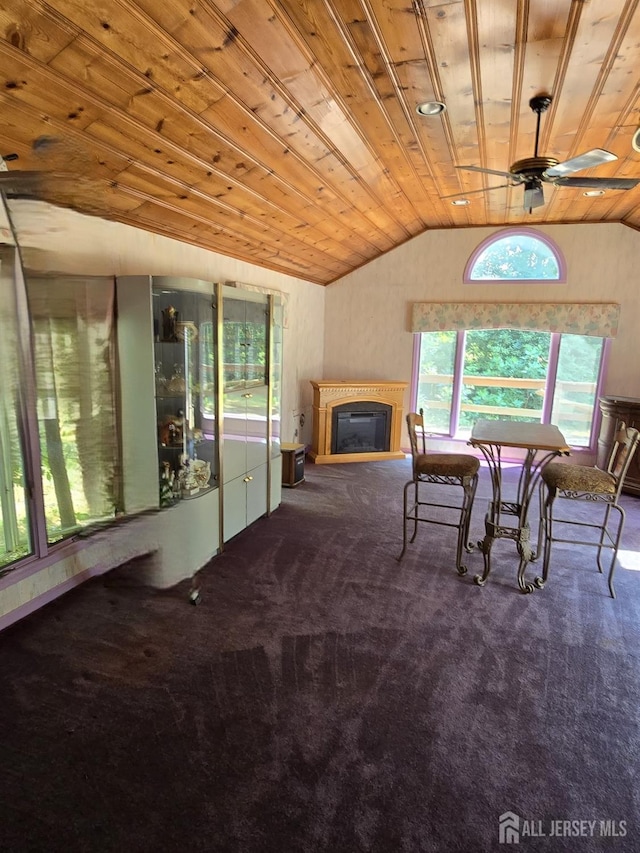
542, 443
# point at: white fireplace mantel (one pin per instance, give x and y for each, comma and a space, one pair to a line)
329, 393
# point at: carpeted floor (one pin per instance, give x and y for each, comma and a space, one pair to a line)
325, 698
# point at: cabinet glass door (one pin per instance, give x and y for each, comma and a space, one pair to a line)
275, 370
185, 364
245, 384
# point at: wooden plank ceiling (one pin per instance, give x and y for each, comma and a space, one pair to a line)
285, 132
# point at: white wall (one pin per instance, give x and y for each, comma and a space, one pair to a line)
368, 312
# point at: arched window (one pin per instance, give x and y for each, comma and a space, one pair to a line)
521, 254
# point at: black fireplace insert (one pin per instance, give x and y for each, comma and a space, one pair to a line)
363, 427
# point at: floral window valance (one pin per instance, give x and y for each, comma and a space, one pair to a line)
579, 318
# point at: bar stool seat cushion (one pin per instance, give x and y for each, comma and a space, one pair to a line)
579, 478
446, 464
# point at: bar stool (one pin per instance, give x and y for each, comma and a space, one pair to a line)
438, 469
597, 488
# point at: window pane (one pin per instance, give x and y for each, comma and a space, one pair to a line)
504, 376
576, 385
517, 257
15, 540
435, 380
74, 353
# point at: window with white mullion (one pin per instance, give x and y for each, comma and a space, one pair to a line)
550, 388
457, 382
510, 374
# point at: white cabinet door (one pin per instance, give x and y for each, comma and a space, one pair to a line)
245, 501
256, 493
234, 507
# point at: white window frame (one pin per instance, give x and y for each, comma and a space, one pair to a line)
554, 350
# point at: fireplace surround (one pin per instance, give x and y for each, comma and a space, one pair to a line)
360, 401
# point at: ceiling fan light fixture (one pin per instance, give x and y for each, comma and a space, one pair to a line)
431, 108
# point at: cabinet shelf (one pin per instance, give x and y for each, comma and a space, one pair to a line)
203, 491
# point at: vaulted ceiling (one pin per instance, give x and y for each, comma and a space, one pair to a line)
285, 132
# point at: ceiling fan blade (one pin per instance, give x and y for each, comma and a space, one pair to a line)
473, 192
511, 175
533, 197
595, 157
599, 183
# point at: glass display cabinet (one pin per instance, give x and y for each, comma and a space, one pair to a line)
185, 391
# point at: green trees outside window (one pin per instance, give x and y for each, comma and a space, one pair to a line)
510, 374
517, 255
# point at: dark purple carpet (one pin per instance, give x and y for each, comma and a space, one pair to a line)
325, 698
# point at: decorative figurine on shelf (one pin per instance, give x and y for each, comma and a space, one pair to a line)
186, 330
171, 430
177, 384
169, 324
161, 379
167, 491
202, 472
189, 482
176, 485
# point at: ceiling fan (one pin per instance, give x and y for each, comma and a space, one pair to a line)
533, 172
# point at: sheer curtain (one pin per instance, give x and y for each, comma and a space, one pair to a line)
15, 538
73, 327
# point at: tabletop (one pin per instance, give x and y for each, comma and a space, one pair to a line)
529, 435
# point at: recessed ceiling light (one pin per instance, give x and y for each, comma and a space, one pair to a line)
431, 108
635, 140
460, 201
593, 193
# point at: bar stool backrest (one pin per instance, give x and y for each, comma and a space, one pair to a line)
625, 444
415, 427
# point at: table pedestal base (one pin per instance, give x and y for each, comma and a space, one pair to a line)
542, 442
521, 536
